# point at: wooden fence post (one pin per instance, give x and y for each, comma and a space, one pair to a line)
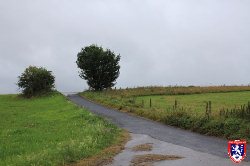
175, 104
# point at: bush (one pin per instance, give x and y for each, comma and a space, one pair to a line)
35, 81
180, 119
232, 127
198, 123
213, 127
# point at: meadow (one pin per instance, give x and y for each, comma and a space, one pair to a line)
196, 102
221, 111
50, 130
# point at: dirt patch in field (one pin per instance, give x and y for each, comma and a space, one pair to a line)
105, 156
149, 159
143, 147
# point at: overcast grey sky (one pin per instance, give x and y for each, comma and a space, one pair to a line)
161, 42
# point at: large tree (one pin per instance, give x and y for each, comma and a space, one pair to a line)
98, 66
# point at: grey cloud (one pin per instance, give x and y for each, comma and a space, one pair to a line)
163, 42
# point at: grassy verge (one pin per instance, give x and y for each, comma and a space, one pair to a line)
186, 109
50, 131
106, 156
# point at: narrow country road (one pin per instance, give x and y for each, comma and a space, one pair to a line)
137, 125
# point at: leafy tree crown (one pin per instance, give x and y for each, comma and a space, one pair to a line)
36, 80
98, 66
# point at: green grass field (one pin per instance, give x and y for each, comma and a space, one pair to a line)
49, 131
197, 102
225, 120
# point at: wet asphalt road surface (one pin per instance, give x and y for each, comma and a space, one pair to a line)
190, 157
173, 135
